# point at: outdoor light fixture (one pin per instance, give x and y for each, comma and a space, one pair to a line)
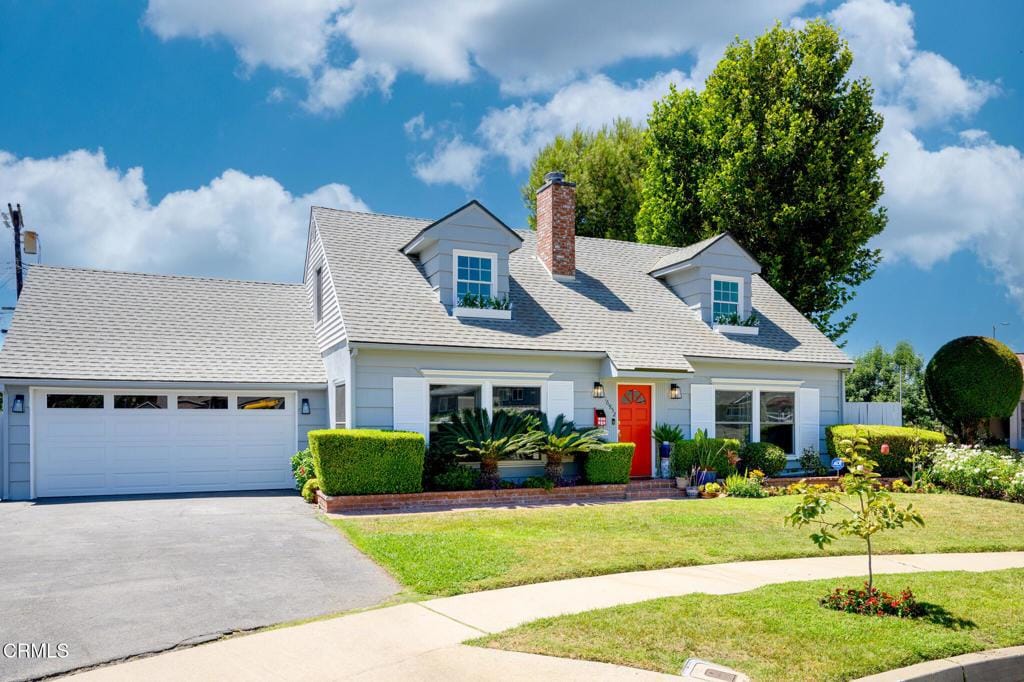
674, 392
19, 404
305, 406
598, 390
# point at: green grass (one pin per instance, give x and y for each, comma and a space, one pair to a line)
454, 552
780, 633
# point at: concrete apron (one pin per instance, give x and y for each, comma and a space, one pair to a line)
424, 640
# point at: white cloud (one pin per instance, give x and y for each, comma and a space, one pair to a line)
417, 128
347, 47
91, 214
453, 161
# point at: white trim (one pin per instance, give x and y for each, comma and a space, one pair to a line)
740, 308
484, 313
473, 374
486, 381
759, 383
492, 256
734, 329
755, 387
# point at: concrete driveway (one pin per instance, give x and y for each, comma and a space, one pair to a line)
116, 577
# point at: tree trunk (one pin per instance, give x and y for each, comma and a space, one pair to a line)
871, 576
489, 475
553, 468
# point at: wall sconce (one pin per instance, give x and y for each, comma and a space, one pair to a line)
305, 406
598, 390
674, 392
18, 405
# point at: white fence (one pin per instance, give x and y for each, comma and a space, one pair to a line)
889, 414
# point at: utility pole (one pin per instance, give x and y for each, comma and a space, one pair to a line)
17, 223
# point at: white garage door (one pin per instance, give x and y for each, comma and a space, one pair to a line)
90, 442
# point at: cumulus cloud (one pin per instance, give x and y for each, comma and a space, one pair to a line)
93, 215
453, 161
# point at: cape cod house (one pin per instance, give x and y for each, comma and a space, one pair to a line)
119, 383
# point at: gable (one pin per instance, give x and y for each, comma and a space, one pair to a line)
329, 330
469, 224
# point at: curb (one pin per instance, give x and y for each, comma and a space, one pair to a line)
996, 665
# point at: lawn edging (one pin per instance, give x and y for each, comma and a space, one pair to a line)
994, 665
404, 502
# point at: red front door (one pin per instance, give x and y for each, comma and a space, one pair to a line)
635, 425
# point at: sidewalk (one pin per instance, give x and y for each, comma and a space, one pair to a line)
423, 640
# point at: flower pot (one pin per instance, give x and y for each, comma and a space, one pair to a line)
682, 482
692, 491
665, 468
708, 496
705, 477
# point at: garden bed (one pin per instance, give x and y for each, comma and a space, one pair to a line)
433, 501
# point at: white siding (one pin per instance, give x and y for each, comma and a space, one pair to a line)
330, 330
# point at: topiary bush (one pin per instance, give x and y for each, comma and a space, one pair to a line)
367, 462
609, 464
970, 380
900, 439
309, 489
687, 452
768, 458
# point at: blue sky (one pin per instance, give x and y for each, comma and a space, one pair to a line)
187, 136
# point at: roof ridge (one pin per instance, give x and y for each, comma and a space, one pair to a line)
373, 213
136, 273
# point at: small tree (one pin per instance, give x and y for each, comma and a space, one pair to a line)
871, 511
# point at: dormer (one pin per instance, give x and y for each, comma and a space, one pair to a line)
464, 256
713, 277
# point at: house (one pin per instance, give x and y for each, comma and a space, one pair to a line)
132, 383
1015, 428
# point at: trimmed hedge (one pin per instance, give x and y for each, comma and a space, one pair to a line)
684, 456
367, 462
309, 489
899, 438
769, 458
609, 464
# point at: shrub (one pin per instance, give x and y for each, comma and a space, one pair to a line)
744, 486
302, 467
686, 454
440, 458
503, 435
539, 482
810, 462
873, 602
901, 441
457, 478
974, 471
309, 489
767, 457
972, 379
609, 464
367, 462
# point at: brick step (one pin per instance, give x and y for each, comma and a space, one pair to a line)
651, 484
666, 494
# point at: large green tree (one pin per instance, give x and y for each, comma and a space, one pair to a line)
875, 377
605, 165
779, 150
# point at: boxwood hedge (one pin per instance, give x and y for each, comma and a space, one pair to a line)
609, 464
684, 456
367, 462
899, 438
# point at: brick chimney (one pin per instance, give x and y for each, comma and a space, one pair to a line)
556, 226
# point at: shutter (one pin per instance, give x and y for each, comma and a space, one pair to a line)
808, 405
560, 400
702, 409
410, 404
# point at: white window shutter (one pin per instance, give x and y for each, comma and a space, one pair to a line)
808, 403
702, 409
560, 400
410, 404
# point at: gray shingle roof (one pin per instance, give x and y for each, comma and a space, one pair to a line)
614, 306
74, 323
685, 253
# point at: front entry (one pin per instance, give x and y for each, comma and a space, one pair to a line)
635, 425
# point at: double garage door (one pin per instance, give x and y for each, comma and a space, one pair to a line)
119, 442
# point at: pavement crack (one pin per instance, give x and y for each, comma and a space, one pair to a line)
454, 620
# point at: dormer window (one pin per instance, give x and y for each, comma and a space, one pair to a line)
726, 298
475, 275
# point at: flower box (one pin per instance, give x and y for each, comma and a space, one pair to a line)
483, 313
735, 329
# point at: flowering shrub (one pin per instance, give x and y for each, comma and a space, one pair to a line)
978, 471
745, 486
871, 601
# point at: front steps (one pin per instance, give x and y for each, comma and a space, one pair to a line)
653, 489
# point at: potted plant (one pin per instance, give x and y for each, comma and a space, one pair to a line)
690, 483
708, 453
666, 435
711, 490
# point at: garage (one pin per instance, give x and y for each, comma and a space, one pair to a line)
128, 440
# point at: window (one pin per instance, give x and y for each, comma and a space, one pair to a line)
202, 402
260, 403
340, 420
74, 401
517, 398
733, 415
725, 300
318, 294
446, 399
474, 275
633, 396
140, 402
777, 416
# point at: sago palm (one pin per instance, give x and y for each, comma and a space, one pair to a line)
505, 435
562, 439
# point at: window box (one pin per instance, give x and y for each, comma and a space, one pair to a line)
735, 329
485, 313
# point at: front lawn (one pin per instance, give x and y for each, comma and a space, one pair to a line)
453, 552
780, 633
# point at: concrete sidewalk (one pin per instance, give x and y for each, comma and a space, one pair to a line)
423, 640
